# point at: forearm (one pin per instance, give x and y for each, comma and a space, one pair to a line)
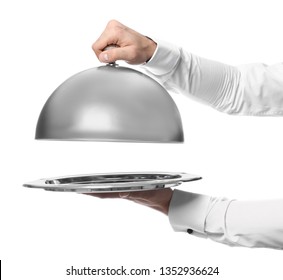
252, 223
235, 223
254, 89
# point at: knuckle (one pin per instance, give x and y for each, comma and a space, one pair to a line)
115, 27
119, 32
95, 48
113, 23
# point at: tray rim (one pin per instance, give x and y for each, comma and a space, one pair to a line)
113, 186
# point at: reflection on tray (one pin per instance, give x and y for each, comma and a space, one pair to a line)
110, 178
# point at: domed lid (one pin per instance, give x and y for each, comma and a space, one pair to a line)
110, 103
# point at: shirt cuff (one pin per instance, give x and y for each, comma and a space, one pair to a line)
164, 59
188, 211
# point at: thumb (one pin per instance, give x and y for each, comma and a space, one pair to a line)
106, 57
114, 54
109, 54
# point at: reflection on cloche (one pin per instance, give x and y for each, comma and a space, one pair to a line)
110, 103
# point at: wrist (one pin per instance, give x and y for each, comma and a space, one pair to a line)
164, 59
150, 49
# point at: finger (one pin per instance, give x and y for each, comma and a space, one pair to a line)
104, 195
110, 195
102, 42
110, 36
120, 53
125, 195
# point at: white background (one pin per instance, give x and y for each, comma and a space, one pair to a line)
41, 233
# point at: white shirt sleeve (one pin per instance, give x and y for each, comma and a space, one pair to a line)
254, 89
235, 223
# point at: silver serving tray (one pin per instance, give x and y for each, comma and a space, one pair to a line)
113, 182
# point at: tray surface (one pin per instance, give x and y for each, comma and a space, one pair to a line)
113, 182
